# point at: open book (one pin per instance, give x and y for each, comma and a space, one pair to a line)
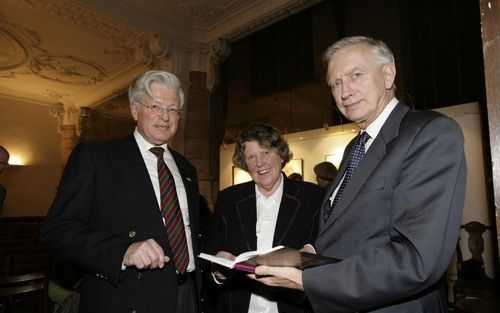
277, 256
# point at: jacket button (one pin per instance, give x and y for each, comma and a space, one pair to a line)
131, 233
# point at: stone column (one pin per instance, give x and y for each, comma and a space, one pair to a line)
69, 140
72, 124
197, 135
203, 120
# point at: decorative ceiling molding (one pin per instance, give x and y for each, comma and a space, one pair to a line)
66, 68
53, 94
204, 11
69, 59
15, 43
83, 17
267, 19
21, 55
12, 52
84, 53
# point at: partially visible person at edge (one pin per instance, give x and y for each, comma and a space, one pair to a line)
4, 162
395, 226
268, 211
106, 216
296, 176
325, 173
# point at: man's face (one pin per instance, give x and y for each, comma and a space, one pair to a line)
157, 128
361, 88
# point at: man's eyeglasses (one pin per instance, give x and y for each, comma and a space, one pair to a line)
157, 109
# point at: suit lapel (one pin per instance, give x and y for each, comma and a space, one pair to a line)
370, 161
289, 207
190, 183
246, 211
133, 175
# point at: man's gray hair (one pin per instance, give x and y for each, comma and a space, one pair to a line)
381, 52
141, 86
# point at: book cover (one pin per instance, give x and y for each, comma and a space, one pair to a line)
277, 256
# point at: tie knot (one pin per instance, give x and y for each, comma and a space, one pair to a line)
363, 138
158, 151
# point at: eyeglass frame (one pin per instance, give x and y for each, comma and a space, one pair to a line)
158, 109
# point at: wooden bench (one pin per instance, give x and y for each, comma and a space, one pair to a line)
26, 291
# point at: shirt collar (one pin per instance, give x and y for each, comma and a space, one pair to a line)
374, 128
278, 193
145, 145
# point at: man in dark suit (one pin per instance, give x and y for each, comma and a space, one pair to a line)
395, 225
106, 217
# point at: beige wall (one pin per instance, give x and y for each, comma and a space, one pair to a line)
29, 131
476, 203
312, 147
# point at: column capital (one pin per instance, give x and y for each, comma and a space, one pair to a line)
220, 49
71, 115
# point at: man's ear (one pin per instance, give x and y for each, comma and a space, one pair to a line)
134, 110
389, 71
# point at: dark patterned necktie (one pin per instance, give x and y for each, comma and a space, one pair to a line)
172, 213
358, 152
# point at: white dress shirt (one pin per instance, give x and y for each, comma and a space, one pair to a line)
373, 129
267, 215
151, 164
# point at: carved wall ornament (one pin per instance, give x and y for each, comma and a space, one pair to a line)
65, 68
85, 119
54, 94
220, 50
156, 52
57, 111
142, 54
71, 115
119, 50
158, 46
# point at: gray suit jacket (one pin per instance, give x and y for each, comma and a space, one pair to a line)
106, 202
396, 226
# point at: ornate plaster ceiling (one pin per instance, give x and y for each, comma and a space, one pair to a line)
83, 52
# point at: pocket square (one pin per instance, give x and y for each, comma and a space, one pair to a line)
188, 179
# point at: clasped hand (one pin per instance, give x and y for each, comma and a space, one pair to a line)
145, 254
286, 277
221, 273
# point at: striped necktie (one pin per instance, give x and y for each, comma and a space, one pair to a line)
358, 152
171, 213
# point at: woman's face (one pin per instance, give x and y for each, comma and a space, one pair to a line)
264, 166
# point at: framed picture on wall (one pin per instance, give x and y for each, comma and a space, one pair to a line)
335, 159
294, 166
240, 176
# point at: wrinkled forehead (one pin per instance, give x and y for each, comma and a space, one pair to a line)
348, 59
253, 145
